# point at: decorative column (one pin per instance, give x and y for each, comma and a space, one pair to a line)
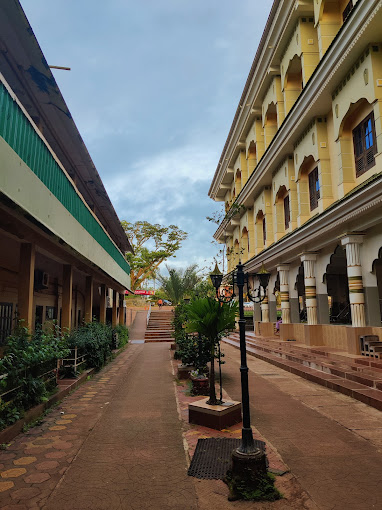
26, 284
89, 299
114, 316
284, 291
352, 244
309, 261
102, 305
264, 308
67, 290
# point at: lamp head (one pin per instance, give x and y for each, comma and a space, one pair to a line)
216, 277
263, 276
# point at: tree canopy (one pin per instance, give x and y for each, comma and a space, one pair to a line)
179, 283
152, 245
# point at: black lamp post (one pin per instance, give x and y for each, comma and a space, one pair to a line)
239, 278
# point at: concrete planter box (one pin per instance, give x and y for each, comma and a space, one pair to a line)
214, 417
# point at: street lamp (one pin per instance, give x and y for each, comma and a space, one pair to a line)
239, 278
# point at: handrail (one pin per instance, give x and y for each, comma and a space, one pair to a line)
344, 313
148, 315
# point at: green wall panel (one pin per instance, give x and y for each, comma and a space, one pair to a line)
17, 131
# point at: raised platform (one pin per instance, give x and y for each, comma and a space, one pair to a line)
355, 376
214, 417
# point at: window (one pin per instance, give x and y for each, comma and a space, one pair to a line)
364, 145
347, 10
264, 232
314, 189
50, 313
286, 211
5, 320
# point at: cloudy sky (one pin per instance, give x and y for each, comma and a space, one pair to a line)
153, 90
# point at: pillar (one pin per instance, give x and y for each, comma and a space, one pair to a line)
356, 293
309, 261
284, 291
265, 308
89, 299
102, 305
114, 317
67, 290
25, 284
121, 310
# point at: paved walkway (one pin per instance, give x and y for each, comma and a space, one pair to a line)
117, 443
331, 442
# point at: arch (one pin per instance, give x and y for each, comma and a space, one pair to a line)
245, 243
293, 74
306, 166
280, 195
347, 120
338, 287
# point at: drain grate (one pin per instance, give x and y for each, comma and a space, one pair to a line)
212, 457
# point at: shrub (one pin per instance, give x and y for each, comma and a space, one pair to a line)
123, 335
27, 370
94, 340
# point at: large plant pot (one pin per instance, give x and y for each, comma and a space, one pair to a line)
200, 385
184, 371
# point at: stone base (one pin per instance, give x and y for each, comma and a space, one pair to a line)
214, 417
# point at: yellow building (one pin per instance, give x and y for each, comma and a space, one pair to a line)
61, 243
303, 158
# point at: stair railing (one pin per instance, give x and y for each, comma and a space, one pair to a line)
148, 315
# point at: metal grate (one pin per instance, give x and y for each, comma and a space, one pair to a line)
212, 457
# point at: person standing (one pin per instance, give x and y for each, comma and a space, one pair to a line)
160, 303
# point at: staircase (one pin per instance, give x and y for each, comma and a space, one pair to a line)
159, 328
356, 376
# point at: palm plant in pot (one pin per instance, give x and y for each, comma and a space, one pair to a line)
211, 320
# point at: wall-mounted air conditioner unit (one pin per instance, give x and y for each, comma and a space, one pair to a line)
41, 280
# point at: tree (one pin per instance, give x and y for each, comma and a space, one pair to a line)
179, 283
204, 288
152, 245
211, 319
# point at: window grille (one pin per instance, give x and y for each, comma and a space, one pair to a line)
50, 313
364, 145
314, 189
6, 310
347, 10
286, 211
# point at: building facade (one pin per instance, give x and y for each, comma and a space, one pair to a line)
300, 174
62, 247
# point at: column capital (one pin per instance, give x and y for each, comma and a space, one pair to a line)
308, 256
283, 267
352, 238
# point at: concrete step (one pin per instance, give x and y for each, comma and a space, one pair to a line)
154, 334
362, 387
151, 340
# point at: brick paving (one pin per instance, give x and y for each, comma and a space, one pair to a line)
119, 442
115, 443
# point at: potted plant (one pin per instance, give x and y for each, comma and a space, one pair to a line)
211, 320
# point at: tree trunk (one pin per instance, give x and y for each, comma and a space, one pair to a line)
212, 400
